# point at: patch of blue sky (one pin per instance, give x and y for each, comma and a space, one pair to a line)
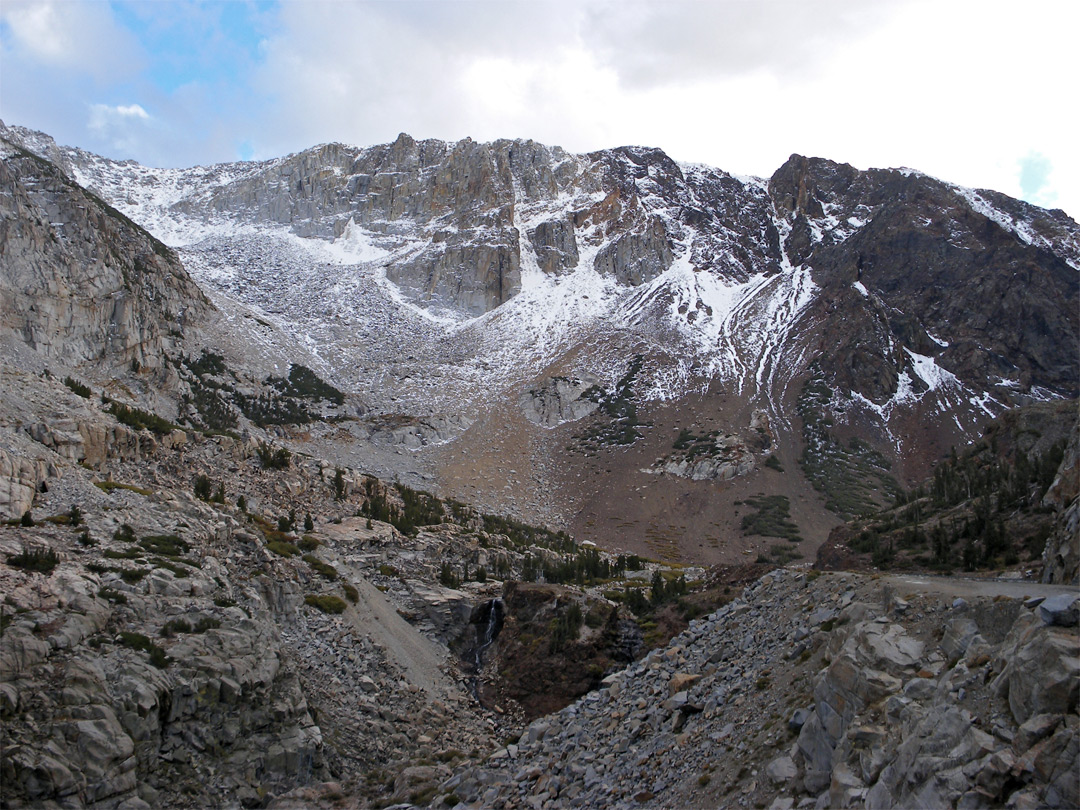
196, 42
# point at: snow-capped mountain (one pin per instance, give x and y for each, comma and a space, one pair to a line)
496, 292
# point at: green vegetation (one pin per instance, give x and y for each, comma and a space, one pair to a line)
203, 488
174, 626
137, 641
351, 593
524, 535
324, 569
691, 445
110, 486
617, 404
327, 603
772, 518
125, 534
447, 577
140, 420
272, 459
417, 508
167, 545
564, 628
306, 384
980, 510
218, 401
779, 555
773, 463
39, 559
77, 387
283, 548
854, 478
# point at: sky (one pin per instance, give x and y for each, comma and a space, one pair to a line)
983, 93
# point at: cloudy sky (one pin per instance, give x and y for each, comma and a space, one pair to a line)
979, 93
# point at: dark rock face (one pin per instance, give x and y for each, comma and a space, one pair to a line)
944, 279
78, 280
555, 246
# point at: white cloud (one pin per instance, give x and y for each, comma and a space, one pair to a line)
72, 35
123, 127
962, 90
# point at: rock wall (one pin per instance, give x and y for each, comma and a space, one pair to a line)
827, 691
1061, 558
79, 281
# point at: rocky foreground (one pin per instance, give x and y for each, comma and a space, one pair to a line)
833, 690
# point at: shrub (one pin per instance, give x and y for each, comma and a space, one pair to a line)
174, 626
113, 596
137, 641
448, 578
125, 534
109, 486
27, 520
272, 459
327, 603
322, 568
309, 524
76, 386
351, 593
140, 420
35, 558
167, 545
283, 548
203, 487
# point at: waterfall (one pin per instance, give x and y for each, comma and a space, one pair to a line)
488, 620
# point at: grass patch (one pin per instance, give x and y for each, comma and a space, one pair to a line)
283, 548
324, 569
327, 603
111, 486
351, 593
167, 545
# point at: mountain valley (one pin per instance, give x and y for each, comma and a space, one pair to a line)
491, 475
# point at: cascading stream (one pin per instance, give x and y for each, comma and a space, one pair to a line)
488, 621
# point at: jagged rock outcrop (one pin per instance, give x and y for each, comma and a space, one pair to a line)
555, 246
887, 721
1061, 558
900, 235
20, 480
79, 281
558, 400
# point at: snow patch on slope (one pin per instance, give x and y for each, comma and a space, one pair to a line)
1016, 226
